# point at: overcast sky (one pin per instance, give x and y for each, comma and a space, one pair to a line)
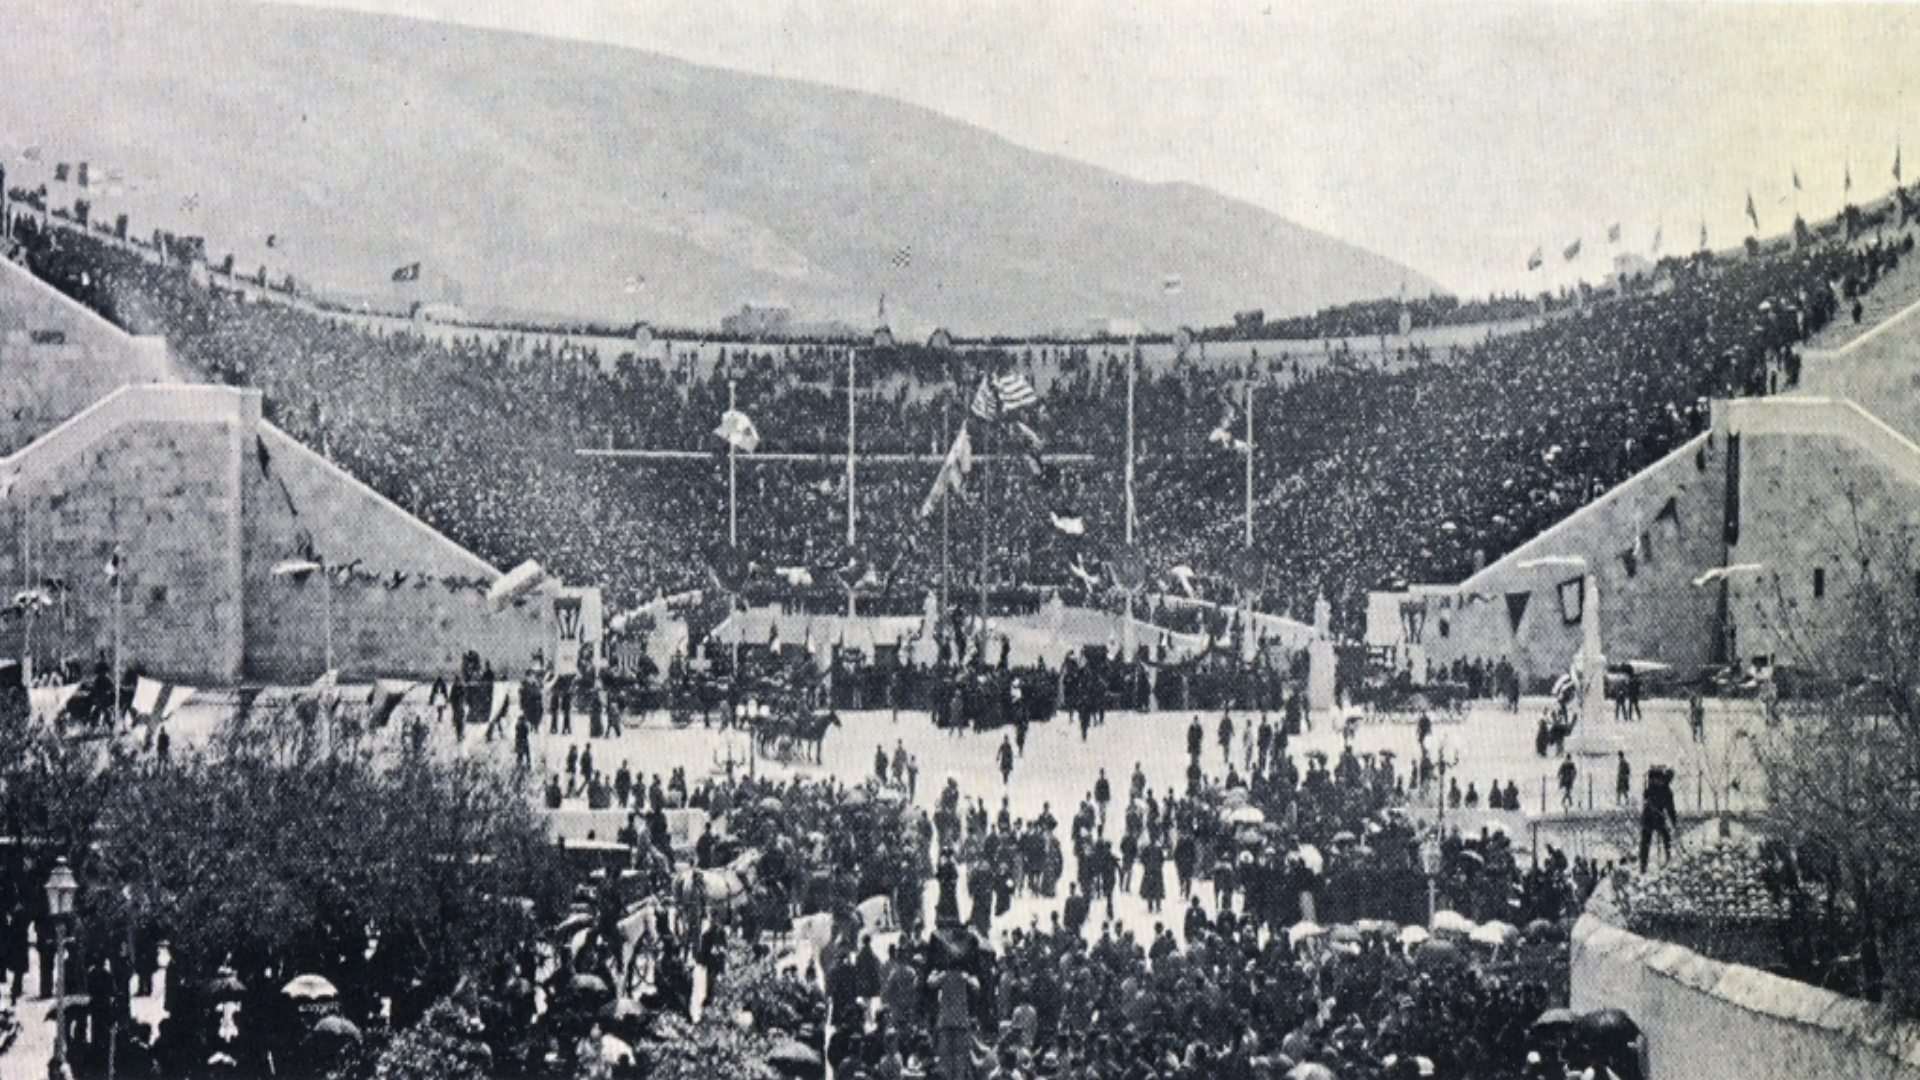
1455, 138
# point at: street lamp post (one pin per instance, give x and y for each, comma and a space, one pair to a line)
61, 888
1430, 864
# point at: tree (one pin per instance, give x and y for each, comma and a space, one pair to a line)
1843, 767
289, 846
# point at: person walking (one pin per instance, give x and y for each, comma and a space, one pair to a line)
1658, 815
1623, 781
1153, 882
1568, 773
1006, 761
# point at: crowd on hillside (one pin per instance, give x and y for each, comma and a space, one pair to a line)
1363, 476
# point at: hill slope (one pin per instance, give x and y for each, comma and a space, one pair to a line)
544, 175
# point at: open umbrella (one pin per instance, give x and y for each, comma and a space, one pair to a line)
1413, 935
1311, 1070
615, 1051
226, 986
1554, 1020
1246, 815
1494, 933
1234, 797
771, 805
1344, 837
336, 1027
1452, 922
1311, 858
310, 988
589, 987
1608, 1025
1303, 930
794, 1057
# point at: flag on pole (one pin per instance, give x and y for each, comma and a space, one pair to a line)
953, 471
1070, 523
737, 430
409, 272
1172, 284
986, 403
1896, 163
1015, 392
1703, 234
1613, 233
1752, 214
1846, 179
1656, 239
1796, 178
1572, 251
1536, 260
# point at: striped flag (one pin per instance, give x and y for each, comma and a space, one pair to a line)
1752, 215
1015, 392
986, 402
903, 257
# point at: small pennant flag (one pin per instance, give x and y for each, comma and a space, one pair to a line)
1572, 251
902, 257
1656, 239
1796, 178
273, 240
1752, 214
737, 430
409, 272
1613, 233
1536, 260
1172, 284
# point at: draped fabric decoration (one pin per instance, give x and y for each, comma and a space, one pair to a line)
1517, 609
1572, 599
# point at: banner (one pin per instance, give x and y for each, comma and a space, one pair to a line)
1572, 599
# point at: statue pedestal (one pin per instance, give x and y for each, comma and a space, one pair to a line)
1320, 681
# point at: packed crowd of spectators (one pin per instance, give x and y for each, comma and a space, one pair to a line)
1363, 476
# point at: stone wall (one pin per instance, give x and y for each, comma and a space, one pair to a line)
1705, 1020
1645, 540
151, 472
57, 358
389, 626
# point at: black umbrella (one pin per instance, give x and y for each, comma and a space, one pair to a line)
1608, 1026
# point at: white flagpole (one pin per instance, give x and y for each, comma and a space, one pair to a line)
1249, 408
733, 493
1133, 362
851, 504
